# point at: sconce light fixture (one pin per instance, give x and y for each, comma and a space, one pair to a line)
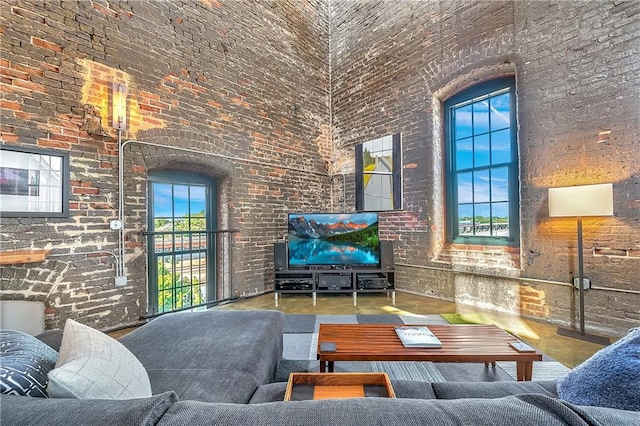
119, 106
579, 201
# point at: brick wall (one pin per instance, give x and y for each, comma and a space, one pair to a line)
242, 89
577, 89
246, 82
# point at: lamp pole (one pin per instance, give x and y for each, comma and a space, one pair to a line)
581, 275
582, 335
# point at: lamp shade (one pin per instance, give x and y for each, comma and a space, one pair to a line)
586, 200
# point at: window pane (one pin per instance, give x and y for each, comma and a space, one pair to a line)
464, 154
501, 147
462, 123
367, 158
500, 184
378, 192
376, 146
482, 220
387, 143
481, 186
465, 188
481, 150
500, 212
481, 117
181, 200
162, 199
465, 219
500, 115
197, 206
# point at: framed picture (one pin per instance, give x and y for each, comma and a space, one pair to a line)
33, 182
379, 174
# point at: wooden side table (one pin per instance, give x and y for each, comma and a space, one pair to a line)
306, 386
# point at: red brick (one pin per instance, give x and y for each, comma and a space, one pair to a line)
48, 143
10, 105
101, 206
149, 108
14, 73
9, 138
29, 70
46, 44
85, 191
105, 11
30, 85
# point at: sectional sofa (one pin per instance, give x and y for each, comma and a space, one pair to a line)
219, 367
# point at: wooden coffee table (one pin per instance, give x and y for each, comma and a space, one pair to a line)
460, 343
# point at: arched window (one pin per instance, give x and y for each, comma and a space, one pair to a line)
482, 164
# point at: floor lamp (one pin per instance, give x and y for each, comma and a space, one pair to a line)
580, 201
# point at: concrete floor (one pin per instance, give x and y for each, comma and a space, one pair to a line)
568, 351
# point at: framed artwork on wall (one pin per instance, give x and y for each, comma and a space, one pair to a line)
33, 182
379, 174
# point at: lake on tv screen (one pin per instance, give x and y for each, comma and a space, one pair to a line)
320, 252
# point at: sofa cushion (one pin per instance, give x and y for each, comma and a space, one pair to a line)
513, 410
22, 411
24, 364
204, 385
246, 342
413, 389
456, 390
92, 365
270, 392
610, 378
52, 338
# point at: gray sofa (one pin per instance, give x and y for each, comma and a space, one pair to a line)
219, 367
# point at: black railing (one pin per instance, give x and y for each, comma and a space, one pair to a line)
192, 268
482, 228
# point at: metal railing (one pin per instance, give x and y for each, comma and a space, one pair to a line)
189, 269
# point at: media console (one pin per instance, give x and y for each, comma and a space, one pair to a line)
332, 279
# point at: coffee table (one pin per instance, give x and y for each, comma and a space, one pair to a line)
460, 343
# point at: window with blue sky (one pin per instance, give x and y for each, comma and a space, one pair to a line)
182, 258
482, 174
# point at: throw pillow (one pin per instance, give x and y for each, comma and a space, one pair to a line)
610, 378
92, 365
24, 364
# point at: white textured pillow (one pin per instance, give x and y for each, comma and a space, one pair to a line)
92, 365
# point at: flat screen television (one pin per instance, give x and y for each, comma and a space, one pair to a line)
317, 239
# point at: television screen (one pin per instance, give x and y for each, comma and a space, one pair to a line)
333, 239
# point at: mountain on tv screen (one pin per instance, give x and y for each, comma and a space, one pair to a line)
333, 239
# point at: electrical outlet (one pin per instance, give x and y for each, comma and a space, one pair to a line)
121, 281
115, 224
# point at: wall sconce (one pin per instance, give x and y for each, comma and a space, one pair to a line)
579, 201
119, 106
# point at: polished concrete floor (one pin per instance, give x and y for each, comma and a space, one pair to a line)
541, 335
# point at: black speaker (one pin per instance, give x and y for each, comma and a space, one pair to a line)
279, 256
386, 254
